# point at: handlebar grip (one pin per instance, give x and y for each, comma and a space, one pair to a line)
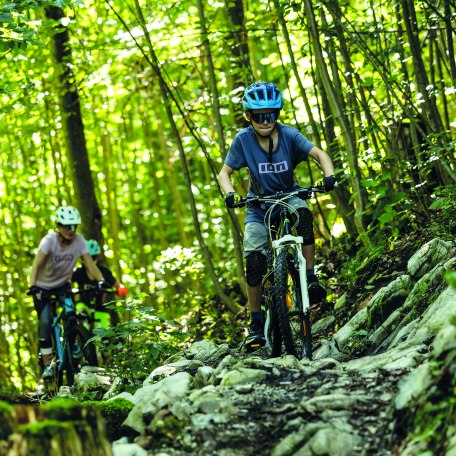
241, 203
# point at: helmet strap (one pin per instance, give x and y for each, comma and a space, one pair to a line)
271, 142
64, 240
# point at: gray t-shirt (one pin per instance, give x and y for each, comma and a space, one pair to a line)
60, 261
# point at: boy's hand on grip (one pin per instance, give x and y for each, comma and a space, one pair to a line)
232, 198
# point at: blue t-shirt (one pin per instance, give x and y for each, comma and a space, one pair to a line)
267, 178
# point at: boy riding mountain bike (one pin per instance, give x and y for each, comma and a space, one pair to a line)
271, 151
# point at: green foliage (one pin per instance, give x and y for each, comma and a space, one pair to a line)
435, 410
45, 429
390, 209
137, 346
62, 409
114, 413
450, 277
139, 177
444, 206
165, 427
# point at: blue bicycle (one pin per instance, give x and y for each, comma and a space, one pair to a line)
70, 339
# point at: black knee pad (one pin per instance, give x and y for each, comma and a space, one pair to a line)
305, 225
45, 343
256, 266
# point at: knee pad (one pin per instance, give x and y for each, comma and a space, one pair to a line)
45, 343
305, 225
256, 266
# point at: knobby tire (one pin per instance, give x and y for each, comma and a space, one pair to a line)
294, 324
89, 353
281, 292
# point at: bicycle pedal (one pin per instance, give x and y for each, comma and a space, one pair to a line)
254, 345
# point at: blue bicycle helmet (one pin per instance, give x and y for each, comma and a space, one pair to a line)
93, 247
262, 95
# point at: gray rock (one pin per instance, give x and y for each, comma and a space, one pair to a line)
204, 376
436, 316
170, 369
428, 256
411, 386
151, 398
329, 442
128, 449
321, 326
243, 375
92, 378
445, 340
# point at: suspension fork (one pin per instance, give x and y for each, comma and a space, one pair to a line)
296, 242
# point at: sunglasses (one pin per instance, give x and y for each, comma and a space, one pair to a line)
269, 117
68, 227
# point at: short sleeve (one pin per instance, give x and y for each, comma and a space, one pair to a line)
45, 245
82, 245
235, 158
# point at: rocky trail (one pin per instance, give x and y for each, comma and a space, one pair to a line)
382, 382
311, 408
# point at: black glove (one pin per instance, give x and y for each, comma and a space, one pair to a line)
102, 285
329, 182
33, 290
232, 198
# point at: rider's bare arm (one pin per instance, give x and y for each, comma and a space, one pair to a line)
323, 159
38, 262
92, 267
224, 179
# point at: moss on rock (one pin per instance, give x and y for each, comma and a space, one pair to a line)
63, 409
114, 413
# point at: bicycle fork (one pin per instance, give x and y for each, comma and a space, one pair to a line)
296, 241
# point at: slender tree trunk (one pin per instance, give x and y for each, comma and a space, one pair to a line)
337, 110
430, 111
235, 229
74, 130
167, 96
238, 57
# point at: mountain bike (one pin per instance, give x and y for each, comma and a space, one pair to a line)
70, 340
90, 314
285, 296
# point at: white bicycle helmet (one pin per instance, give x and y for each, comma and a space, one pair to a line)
67, 215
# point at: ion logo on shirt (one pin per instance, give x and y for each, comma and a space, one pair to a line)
64, 257
267, 168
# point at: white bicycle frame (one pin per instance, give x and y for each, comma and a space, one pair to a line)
284, 243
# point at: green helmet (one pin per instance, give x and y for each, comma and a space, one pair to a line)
93, 247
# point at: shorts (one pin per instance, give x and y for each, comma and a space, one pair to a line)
256, 234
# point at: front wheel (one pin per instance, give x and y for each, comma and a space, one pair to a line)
294, 324
302, 333
80, 351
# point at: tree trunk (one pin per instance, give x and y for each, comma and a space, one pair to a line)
235, 229
74, 130
337, 110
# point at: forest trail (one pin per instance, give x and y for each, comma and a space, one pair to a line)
375, 387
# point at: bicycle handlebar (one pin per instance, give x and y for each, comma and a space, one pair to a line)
303, 193
73, 291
